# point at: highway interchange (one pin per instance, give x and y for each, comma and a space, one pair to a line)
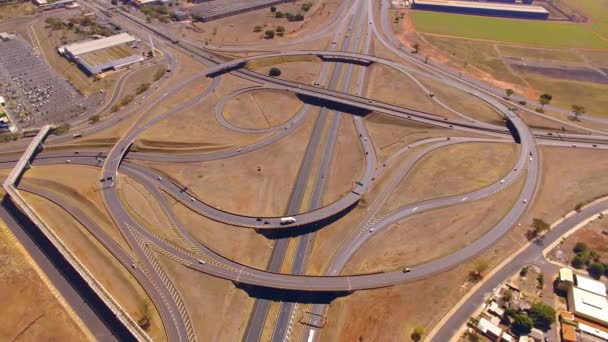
355, 30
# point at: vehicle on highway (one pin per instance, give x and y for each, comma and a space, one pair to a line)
76, 135
502, 181
525, 201
202, 262
407, 270
68, 161
159, 178
371, 230
288, 220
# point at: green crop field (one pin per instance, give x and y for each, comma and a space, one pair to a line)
533, 32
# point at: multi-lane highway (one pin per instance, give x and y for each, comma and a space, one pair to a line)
357, 28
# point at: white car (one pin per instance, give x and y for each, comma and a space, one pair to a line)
502, 181
202, 262
371, 230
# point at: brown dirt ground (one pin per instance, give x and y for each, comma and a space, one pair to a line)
182, 72
217, 309
144, 208
453, 170
16, 10
31, 311
261, 108
389, 134
242, 245
236, 184
591, 235
446, 230
78, 184
327, 239
463, 102
348, 162
391, 313
196, 128
302, 72
391, 86
106, 269
236, 30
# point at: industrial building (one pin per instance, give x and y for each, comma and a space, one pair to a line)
217, 9
482, 8
101, 55
587, 304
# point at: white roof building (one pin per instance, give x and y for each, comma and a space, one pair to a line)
487, 327
97, 44
587, 299
1, 101
591, 285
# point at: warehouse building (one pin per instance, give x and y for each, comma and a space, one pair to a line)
101, 55
482, 8
217, 9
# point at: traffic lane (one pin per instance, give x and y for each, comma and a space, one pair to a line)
532, 252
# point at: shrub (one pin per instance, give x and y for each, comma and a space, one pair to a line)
95, 118
596, 270
273, 9
257, 28
279, 15
578, 261
274, 72
306, 6
61, 128
142, 88
524, 271
269, 34
580, 247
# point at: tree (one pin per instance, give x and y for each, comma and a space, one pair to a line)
522, 324
279, 14
580, 247
509, 92
280, 30
577, 110
596, 270
274, 72
269, 34
578, 261
416, 47
542, 315
539, 225
95, 118
273, 9
417, 333
257, 28
524, 271
544, 99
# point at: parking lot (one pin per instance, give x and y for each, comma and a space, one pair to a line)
34, 93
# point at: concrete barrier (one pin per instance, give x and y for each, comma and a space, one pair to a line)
83, 272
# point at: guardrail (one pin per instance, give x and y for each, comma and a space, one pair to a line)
21, 203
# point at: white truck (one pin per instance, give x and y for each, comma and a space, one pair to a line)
288, 220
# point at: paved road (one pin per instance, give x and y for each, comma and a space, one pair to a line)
527, 256
176, 319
